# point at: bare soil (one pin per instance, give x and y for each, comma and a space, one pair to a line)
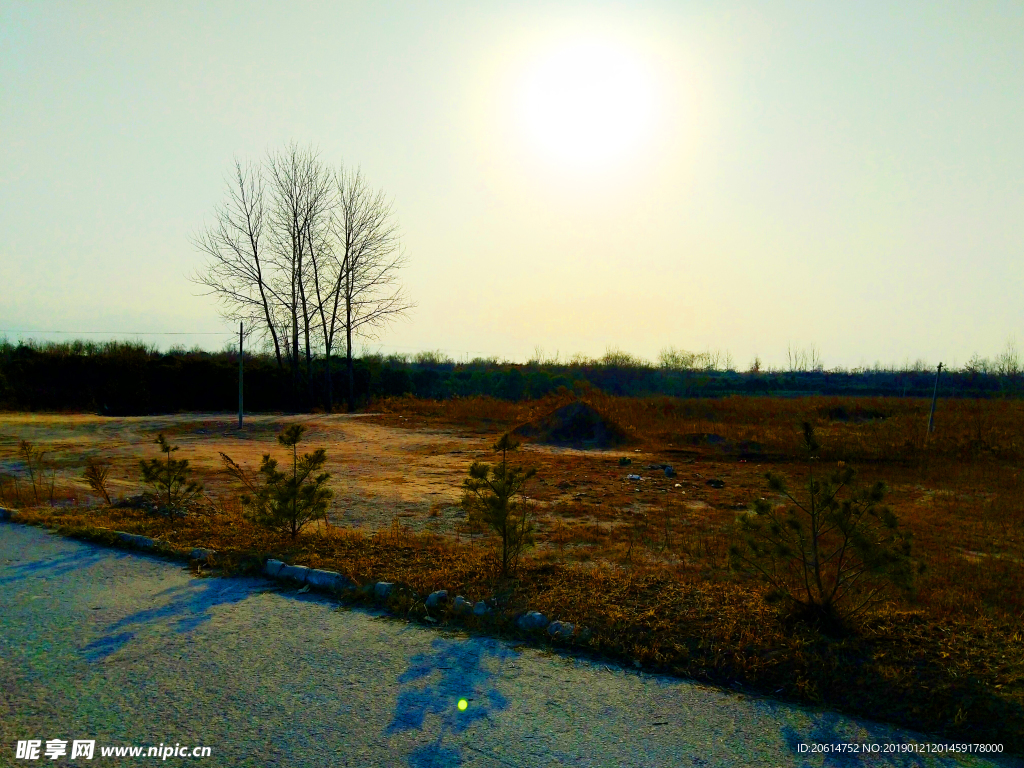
381, 466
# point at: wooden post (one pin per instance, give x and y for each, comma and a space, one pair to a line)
935, 394
239, 375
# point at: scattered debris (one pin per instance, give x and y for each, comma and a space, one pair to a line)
202, 555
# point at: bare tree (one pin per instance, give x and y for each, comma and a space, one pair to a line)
328, 278
1008, 364
301, 188
370, 256
238, 273
301, 254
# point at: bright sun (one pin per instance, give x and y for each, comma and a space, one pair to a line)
587, 103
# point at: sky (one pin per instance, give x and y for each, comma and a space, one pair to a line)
569, 178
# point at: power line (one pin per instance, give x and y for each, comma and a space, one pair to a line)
126, 333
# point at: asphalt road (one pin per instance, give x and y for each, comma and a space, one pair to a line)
129, 650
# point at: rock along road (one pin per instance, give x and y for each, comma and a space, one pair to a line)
134, 651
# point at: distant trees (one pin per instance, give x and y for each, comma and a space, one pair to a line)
301, 253
672, 359
803, 360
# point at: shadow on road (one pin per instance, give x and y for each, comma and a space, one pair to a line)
435, 683
187, 608
59, 565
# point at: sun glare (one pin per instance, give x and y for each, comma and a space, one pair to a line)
587, 103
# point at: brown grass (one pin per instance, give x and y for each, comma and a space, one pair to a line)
644, 565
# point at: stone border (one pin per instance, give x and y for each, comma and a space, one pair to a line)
138, 542
529, 622
325, 581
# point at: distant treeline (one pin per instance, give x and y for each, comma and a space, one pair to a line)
128, 378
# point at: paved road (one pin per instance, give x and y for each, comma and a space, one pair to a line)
130, 650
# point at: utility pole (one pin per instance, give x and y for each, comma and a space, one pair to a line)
240, 376
935, 394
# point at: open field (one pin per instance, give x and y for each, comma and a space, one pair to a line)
643, 563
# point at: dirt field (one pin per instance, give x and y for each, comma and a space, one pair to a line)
409, 462
383, 465
377, 471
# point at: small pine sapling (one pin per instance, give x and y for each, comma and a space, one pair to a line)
826, 556
493, 495
170, 477
283, 502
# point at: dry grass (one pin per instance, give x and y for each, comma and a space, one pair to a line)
644, 564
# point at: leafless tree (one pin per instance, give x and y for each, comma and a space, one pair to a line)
302, 192
239, 271
328, 271
803, 360
302, 254
370, 255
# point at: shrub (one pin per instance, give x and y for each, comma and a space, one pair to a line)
170, 477
279, 501
494, 497
34, 463
827, 556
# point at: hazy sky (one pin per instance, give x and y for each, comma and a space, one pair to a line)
569, 176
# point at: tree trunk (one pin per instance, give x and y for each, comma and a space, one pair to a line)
348, 339
351, 368
295, 355
305, 331
327, 377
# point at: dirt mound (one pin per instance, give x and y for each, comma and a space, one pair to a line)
575, 425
